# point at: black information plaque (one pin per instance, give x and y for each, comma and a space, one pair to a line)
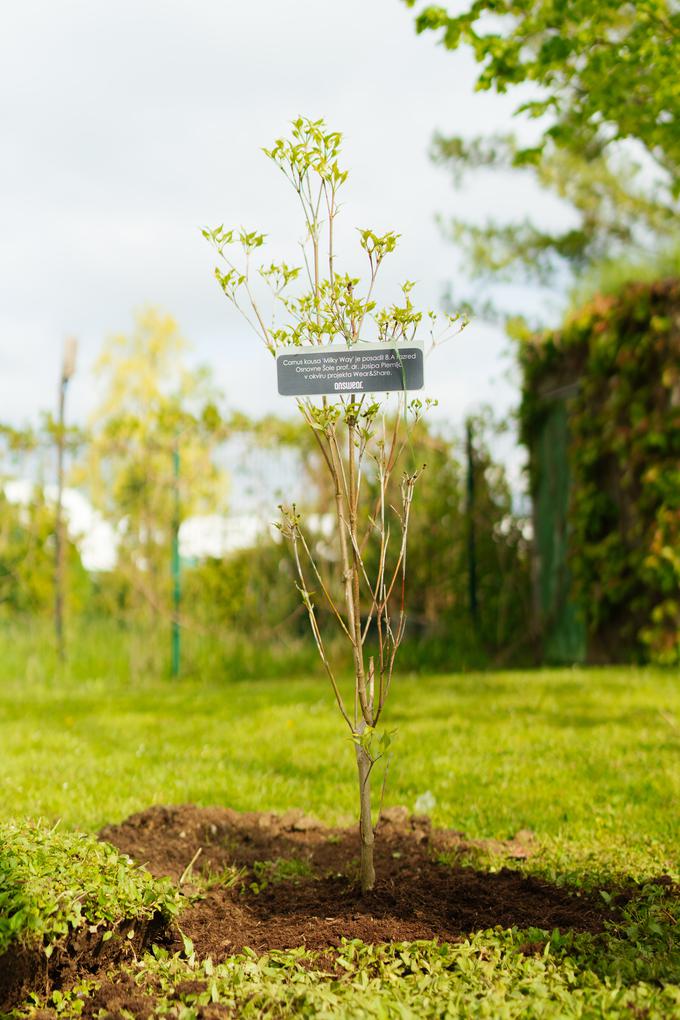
362, 368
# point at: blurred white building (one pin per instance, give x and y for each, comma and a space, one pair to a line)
201, 536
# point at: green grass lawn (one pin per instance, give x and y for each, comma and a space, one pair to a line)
589, 757
586, 759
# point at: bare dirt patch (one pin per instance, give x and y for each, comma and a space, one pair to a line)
318, 902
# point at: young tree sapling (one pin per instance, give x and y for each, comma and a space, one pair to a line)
356, 434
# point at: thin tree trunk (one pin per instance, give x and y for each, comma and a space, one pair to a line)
365, 821
67, 369
59, 537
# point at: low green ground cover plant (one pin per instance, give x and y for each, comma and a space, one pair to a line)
53, 881
494, 974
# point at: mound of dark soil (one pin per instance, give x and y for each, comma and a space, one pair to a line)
318, 903
277, 882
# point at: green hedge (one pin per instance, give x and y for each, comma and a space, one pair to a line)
623, 353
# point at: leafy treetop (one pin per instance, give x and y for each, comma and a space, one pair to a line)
606, 101
607, 70
330, 306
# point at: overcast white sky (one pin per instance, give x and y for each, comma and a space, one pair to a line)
126, 126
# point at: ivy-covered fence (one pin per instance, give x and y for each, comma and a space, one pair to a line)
615, 368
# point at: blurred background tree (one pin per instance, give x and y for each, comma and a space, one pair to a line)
27, 559
598, 82
153, 408
28, 523
443, 625
599, 104
250, 590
